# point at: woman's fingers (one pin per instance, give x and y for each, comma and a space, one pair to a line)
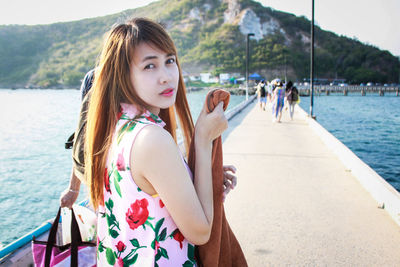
232, 179
68, 198
229, 168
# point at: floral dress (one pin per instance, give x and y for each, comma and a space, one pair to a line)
279, 101
135, 228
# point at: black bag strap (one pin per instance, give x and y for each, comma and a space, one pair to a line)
51, 240
76, 239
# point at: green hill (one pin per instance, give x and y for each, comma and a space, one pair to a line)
209, 34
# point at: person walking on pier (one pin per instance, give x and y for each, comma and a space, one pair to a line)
262, 94
292, 96
278, 100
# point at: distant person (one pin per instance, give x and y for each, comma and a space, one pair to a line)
270, 90
278, 101
70, 195
262, 94
292, 96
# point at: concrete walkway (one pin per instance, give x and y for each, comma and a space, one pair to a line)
296, 204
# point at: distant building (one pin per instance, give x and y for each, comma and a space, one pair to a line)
194, 77
229, 77
208, 78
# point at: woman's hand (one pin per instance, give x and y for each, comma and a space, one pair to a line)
68, 198
211, 125
230, 180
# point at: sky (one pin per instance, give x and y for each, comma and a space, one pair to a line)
370, 21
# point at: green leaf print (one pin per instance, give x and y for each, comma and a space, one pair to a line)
100, 247
134, 242
158, 226
109, 204
164, 253
110, 256
131, 260
163, 234
116, 174
188, 264
116, 184
153, 244
128, 127
158, 256
110, 221
113, 233
190, 252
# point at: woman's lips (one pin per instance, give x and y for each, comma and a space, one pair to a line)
167, 92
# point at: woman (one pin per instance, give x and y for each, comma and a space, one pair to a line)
262, 94
292, 95
150, 212
278, 101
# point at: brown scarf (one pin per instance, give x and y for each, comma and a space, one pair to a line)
222, 249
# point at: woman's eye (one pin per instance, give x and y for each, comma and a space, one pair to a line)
171, 61
149, 66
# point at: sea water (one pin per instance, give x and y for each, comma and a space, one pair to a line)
368, 125
34, 165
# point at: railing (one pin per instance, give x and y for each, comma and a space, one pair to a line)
363, 90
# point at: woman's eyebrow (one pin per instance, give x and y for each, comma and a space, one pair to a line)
149, 57
155, 57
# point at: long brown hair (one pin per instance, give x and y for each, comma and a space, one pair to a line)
112, 86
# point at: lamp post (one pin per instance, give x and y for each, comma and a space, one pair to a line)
247, 64
312, 63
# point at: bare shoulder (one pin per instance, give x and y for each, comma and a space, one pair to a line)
153, 142
153, 137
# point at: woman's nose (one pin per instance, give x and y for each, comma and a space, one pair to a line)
165, 76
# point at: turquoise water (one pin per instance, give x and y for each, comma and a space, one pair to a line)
368, 125
34, 166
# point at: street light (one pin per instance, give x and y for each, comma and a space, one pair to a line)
312, 63
247, 64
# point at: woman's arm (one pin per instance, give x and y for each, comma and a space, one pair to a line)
69, 196
156, 158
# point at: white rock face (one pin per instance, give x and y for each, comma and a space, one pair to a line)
207, 7
232, 12
270, 27
195, 14
250, 23
305, 39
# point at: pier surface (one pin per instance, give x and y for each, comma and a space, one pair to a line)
296, 204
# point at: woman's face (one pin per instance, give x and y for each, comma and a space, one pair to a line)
154, 76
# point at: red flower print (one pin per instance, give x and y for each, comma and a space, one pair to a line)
137, 214
119, 263
119, 115
150, 118
120, 246
121, 161
107, 181
161, 204
178, 237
